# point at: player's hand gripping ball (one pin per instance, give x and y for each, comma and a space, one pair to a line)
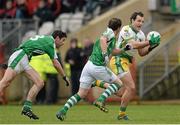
154, 38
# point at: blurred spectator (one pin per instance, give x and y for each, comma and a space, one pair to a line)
43, 13
2, 4
88, 47
95, 7
79, 4
52, 89
55, 7
9, 11
72, 5
32, 6
90, 8
74, 58
105, 3
165, 2
67, 6
21, 9
2, 52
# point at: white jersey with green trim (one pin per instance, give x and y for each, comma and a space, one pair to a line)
127, 34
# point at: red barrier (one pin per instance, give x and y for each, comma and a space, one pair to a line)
2, 57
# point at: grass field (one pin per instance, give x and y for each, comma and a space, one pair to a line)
88, 114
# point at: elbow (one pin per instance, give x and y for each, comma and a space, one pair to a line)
113, 53
142, 54
116, 52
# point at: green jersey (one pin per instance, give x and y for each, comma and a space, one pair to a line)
97, 56
39, 45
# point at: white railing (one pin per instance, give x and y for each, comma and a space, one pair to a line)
12, 31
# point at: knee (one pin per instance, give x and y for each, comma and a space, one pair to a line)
82, 94
40, 83
131, 89
4, 83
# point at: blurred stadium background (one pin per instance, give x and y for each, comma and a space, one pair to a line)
157, 75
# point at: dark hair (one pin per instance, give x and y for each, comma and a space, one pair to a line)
114, 23
3, 66
135, 14
74, 40
59, 33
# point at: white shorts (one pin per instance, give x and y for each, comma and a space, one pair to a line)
19, 61
92, 72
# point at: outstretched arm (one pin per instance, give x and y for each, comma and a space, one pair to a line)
153, 43
58, 67
117, 51
139, 45
144, 51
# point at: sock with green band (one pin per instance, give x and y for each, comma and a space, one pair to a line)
114, 87
123, 109
27, 105
71, 102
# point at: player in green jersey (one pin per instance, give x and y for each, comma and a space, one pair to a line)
119, 64
96, 68
19, 62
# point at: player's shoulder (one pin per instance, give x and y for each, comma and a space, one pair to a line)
108, 33
126, 28
49, 39
126, 31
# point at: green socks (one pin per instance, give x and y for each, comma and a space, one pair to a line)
114, 87
122, 109
71, 102
27, 105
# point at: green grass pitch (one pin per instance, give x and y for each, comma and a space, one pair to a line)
88, 114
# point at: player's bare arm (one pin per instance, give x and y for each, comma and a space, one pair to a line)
138, 45
60, 70
103, 43
143, 51
58, 67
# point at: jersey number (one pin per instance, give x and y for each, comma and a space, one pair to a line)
37, 37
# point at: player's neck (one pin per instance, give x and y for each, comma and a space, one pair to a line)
133, 29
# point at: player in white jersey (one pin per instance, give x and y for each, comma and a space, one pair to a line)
132, 35
19, 62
